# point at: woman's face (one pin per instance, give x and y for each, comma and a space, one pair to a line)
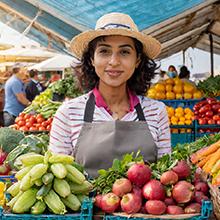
115, 60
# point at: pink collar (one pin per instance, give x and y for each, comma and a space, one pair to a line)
100, 102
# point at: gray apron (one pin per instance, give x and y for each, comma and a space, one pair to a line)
99, 143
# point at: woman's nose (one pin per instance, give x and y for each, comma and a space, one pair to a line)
114, 60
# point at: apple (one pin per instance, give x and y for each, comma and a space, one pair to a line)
110, 202
98, 200
122, 186
131, 203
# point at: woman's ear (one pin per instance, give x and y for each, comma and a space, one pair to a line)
92, 61
138, 60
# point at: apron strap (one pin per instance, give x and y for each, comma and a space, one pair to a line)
90, 106
140, 113
89, 110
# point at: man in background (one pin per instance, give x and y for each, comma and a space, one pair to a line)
31, 87
15, 99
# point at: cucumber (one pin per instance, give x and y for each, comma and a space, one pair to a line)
43, 191
47, 178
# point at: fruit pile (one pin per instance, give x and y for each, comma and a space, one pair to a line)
139, 192
27, 122
207, 112
173, 89
48, 182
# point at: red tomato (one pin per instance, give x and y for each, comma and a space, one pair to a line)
48, 128
202, 121
219, 110
33, 129
27, 116
204, 109
40, 120
23, 128
38, 125
49, 120
29, 124
196, 112
218, 122
33, 119
211, 101
17, 119
211, 122
22, 114
21, 123
15, 126
216, 117
209, 114
39, 116
195, 117
44, 124
215, 107
41, 128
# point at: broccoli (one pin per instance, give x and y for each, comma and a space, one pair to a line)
10, 138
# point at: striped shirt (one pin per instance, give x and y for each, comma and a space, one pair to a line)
68, 122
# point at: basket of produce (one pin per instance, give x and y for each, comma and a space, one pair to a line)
49, 187
168, 189
175, 92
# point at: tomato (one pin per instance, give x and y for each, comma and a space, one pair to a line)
17, 119
29, 124
23, 128
40, 120
205, 108
21, 123
33, 129
211, 122
41, 128
33, 119
49, 120
215, 107
211, 101
44, 124
218, 122
22, 114
15, 126
219, 110
207, 130
38, 125
209, 114
27, 116
202, 121
216, 117
48, 128
196, 112
39, 116
195, 117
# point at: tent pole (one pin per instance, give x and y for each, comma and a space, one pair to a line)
211, 53
184, 57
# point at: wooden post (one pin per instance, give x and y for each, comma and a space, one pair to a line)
184, 57
211, 54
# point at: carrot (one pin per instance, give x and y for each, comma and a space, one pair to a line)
202, 162
206, 152
216, 167
211, 162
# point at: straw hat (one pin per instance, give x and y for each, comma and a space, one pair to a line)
115, 24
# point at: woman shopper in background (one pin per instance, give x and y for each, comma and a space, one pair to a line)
115, 117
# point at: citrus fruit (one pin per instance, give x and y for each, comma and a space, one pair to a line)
169, 81
188, 88
177, 80
178, 88
170, 95
179, 96
160, 87
187, 95
169, 88
160, 95
197, 95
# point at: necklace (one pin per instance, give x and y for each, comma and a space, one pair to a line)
115, 115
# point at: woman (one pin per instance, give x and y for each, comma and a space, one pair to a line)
172, 73
185, 75
114, 118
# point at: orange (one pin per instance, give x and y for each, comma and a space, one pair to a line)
178, 88
160, 87
178, 114
181, 123
188, 88
169, 81
170, 95
174, 122
169, 114
169, 88
179, 96
187, 95
189, 130
160, 95
182, 118
187, 110
197, 95
188, 122
170, 110
177, 80
151, 93
174, 130
188, 116
182, 130
174, 118
180, 110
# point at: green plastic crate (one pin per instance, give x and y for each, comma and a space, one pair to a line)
181, 138
205, 211
86, 214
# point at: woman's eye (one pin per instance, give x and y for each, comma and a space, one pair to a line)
103, 51
125, 52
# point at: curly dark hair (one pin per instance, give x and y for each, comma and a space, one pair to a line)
139, 82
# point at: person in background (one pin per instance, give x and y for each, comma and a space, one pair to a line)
26, 78
31, 87
15, 99
172, 72
185, 75
114, 117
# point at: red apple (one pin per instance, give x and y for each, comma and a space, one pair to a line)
131, 203
110, 202
98, 200
122, 186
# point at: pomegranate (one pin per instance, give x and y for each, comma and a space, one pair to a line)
202, 187
193, 208
155, 207
98, 200
182, 169
139, 173
131, 203
3, 156
121, 187
174, 210
199, 198
169, 178
154, 190
169, 201
137, 189
143, 210
196, 178
183, 192
110, 202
